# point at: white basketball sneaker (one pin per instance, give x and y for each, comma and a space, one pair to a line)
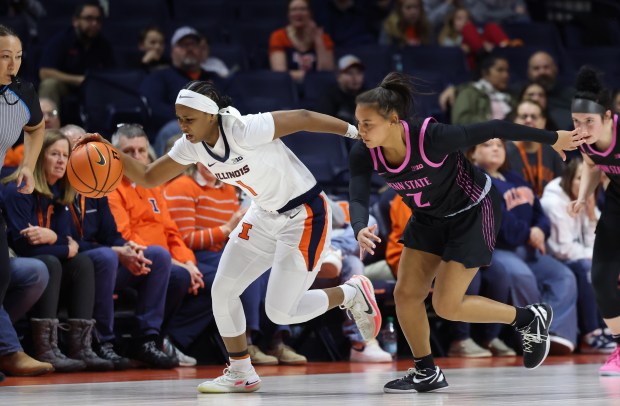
363, 307
232, 381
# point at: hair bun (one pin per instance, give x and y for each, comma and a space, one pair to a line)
589, 80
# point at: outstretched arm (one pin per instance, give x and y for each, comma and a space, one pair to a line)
149, 176
443, 139
290, 121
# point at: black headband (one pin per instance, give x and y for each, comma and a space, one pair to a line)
587, 106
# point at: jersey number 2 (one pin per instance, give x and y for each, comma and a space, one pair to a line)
417, 198
244, 232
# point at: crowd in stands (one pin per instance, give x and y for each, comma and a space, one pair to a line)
116, 68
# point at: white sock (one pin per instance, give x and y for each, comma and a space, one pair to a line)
241, 365
349, 293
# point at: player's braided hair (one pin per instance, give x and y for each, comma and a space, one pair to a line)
207, 88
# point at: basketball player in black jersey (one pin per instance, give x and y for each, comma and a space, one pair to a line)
595, 122
456, 217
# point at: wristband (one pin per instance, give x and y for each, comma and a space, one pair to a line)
352, 132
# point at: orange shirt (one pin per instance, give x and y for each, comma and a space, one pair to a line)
142, 216
400, 214
199, 211
14, 156
296, 59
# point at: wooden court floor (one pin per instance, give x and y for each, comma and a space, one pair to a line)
560, 381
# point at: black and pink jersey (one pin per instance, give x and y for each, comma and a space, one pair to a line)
607, 161
435, 178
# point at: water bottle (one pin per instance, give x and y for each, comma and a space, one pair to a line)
389, 339
397, 59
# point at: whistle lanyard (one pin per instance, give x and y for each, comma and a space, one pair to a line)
533, 175
78, 218
48, 218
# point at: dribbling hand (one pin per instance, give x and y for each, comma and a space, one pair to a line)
366, 239
90, 137
567, 141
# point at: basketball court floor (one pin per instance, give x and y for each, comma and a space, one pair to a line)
560, 381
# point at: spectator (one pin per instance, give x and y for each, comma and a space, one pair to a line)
537, 163
543, 70
459, 30
521, 248
616, 101
39, 225
339, 100
147, 269
142, 216
535, 92
71, 53
213, 64
73, 133
406, 25
151, 45
301, 46
486, 98
160, 87
29, 278
50, 113
572, 242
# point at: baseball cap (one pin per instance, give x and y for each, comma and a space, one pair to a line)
183, 32
349, 61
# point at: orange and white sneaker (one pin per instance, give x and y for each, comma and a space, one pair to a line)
231, 382
363, 307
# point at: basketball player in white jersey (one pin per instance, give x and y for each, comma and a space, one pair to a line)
286, 228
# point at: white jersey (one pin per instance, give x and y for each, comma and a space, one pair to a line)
246, 155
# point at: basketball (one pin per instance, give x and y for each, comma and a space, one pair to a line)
94, 169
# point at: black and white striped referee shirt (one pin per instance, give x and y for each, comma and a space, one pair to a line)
19, 107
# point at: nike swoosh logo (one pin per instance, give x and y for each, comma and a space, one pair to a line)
369, 311
251, 383
101, 158
416, 380
295, 215
186, 97
210, 165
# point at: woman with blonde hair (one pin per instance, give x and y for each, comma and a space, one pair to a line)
39, 225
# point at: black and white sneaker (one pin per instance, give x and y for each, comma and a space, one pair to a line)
424, 380
535, 336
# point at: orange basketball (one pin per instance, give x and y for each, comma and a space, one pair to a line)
95, 169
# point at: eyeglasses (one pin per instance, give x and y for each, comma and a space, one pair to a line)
50, 114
